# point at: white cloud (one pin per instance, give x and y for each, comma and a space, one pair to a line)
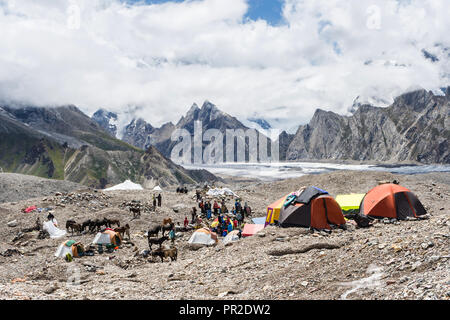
165, 57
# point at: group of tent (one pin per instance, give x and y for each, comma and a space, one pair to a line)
205, 236
107, 237
315, 208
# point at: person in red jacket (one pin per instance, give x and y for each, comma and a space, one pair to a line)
186, 221
216, 208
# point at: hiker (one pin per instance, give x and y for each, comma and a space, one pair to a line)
237, 205
193, 214
172, 235
201, 205
245, 207
223, 225
239, 217
230, 227
224, 208
154, 201
207, 206
216, 208
235, 223
198, 194
52, 218
186, 221
159, 200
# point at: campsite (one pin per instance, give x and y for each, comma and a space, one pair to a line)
396, 257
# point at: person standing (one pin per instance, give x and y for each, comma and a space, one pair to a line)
193, 214
208, 208
186, 221
154, 202
172, 235
216, 208
159, 200
201, 205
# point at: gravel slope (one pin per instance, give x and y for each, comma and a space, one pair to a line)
17, 187
408, 260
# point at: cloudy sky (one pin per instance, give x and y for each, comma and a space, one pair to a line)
276, 59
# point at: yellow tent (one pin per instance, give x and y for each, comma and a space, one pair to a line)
350, 202
273, 210
215, 223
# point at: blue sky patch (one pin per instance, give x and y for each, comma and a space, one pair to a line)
268, 10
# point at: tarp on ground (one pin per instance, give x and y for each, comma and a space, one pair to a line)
259, 220
30, 209
126, 185
251, 229
53, 231
157, 188
203, 236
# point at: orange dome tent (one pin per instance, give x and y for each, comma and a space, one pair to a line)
391, 201
319, 213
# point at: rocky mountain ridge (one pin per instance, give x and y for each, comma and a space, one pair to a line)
414, 128
63, 143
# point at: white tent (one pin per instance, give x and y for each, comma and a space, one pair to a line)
102, 238
54, 232
232, 236
63, 250
203, 237
157, 188
221, 192
107, 237
126, 185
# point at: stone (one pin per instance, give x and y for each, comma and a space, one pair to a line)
12, 223
261, 234
51, 289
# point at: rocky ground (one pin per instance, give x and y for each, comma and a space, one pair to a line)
404, 260
14, 187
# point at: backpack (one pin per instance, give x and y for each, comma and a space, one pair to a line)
362, 221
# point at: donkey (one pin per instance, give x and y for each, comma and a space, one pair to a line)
158, 241
154, 231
